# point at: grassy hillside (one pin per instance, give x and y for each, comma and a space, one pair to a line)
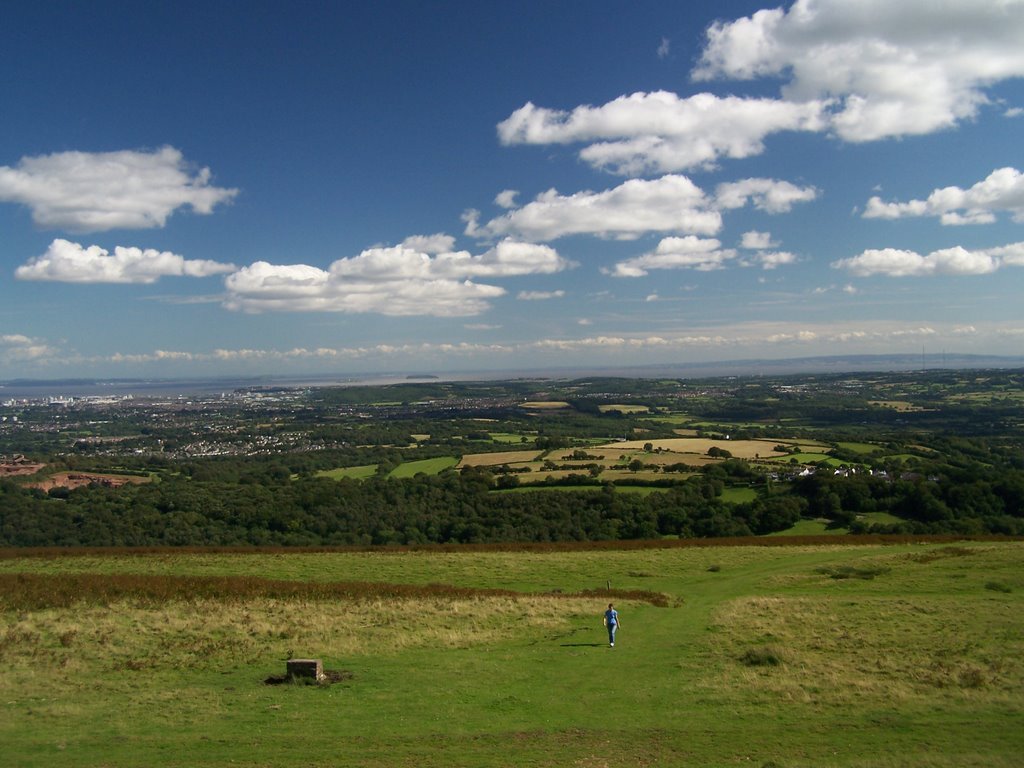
823, 655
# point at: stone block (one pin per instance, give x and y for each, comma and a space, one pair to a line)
311, 669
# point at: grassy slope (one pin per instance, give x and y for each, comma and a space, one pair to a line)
919, 666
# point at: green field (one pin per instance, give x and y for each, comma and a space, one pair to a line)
511, 437
427, 466
738, 495
843, 656
816, 527
859, 447
356, 473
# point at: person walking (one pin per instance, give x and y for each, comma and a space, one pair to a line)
611, 622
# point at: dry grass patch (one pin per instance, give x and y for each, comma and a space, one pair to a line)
212, 634
826, 650
741, 449
626, 409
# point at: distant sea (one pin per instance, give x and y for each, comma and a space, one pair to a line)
82, 387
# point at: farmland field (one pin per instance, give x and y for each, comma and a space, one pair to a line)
497, 459
743, 449
356, 473
426, 466
869, 654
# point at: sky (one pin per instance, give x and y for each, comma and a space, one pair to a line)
269, 188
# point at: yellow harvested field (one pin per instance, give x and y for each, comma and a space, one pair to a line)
497, 459
623, 408
741, 449
546, 405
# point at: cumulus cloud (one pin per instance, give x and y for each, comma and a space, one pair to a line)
94, 192
506, 198
672, 203
772, 259
701, 254
436, 243
635, 207
399, 280
68, 262
890, 69
768, 195
539, 295
1002, 190
754, 240
894, 262
861, 71
660, 132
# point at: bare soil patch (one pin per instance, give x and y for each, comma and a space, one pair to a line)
73, 480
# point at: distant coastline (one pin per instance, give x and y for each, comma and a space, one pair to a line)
164, 387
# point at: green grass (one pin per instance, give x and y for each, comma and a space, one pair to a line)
356, 473
513, 438
789, 656
859, 447
881, 517
427, 466
817, 527
738, 495
807, 458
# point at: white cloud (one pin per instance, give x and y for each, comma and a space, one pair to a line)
18, 348
436, 243
1014, 112
892, 69
893, 262
539, 295
481, 327
506, 198
703, 255
660, 132
773, 259
635, 207
1001, 190
93, 192
390, 280
69, 262
754, 240
768, 195
664, 48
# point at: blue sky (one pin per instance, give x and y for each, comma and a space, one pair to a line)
267, 188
